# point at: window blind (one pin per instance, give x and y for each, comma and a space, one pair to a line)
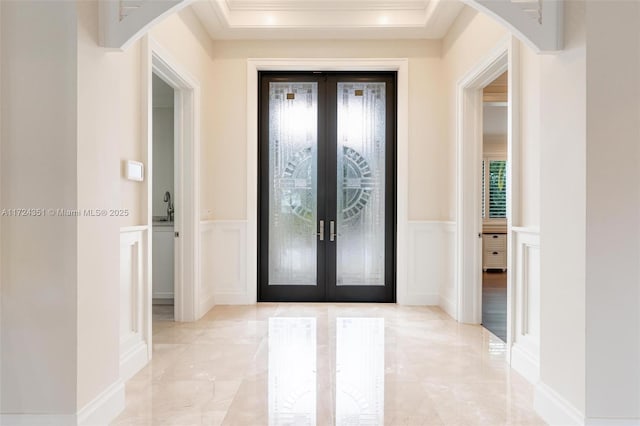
497, 189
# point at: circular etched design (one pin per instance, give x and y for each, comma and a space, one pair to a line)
300, 196
357, 186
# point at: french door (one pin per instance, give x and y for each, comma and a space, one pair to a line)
327, 154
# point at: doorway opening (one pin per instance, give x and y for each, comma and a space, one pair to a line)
327, 205
173, 206
470, 227
494, 206
163, 196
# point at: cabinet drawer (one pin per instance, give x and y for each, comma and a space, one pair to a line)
494, 259
494, 242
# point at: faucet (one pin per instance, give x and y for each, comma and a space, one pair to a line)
170, 210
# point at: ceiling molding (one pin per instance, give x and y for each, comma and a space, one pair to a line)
316, 5
282, 19
539, 23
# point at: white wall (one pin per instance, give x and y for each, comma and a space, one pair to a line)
563, 213
590, 110
39, 170
109, 126
613, 211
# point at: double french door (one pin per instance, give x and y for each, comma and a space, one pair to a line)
327, 187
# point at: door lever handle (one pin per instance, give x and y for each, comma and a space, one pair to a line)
332, 231
321, 232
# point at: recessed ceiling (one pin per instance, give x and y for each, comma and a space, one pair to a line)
316, 19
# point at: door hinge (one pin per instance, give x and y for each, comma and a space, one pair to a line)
176, 234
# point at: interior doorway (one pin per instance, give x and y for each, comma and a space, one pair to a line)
163, 196
494, 206
327, 186
183, 204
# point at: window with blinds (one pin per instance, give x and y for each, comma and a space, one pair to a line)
494, 189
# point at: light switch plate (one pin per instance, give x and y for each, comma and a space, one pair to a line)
134, 170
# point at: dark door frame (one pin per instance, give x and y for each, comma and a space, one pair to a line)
326, 290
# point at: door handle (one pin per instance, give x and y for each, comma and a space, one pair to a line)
332, 231
321, 232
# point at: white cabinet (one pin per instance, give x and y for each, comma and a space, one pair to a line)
494, 251
163, 262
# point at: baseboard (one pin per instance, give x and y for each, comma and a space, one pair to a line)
163, 301
422, 300
554, 409
104, 408
163, 295
233, 299
133, 361
37, 420
612, 422
525, 363
206, 303
100, 412
448, 306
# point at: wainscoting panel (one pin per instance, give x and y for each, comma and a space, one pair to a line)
135, 300
431, 266
224, 264
525, 351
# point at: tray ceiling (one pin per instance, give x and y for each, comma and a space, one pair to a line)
311, 19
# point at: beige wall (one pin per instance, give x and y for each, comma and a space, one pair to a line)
184, 38
529, 137
227, 160
471, 37
109, 126
38, 170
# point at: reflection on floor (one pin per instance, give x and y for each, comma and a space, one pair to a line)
494, 302
162, 313
327, 364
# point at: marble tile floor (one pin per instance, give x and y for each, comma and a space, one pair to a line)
327, 364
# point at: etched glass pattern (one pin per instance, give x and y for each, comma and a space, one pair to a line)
293, 130
292, 371
359, 371
361, 176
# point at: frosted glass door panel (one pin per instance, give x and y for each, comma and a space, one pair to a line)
293, 159
360, 241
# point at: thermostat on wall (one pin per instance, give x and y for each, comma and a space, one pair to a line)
134, 170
